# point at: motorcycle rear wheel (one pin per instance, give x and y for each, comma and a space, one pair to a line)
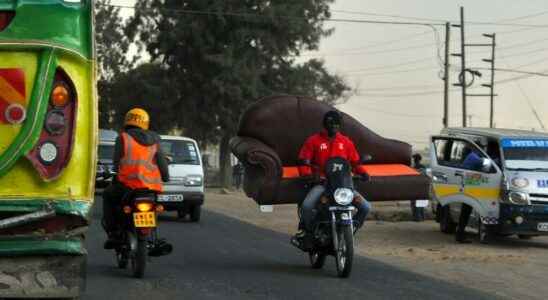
317, 259
344, 251
139, 259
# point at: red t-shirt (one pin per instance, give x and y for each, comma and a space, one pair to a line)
319, 148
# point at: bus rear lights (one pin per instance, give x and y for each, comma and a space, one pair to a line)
5, 19
15, 113
60, 96
53, 149
48, 153
55, 122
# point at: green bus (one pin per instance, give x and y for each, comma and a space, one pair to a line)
48, 140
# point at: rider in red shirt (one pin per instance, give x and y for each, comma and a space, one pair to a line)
316, 151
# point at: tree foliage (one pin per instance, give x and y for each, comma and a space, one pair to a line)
222, 55
212, 58
112, 45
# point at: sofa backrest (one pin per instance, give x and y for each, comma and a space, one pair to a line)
285, 122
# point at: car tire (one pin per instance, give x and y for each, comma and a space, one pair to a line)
524, 237
195, 213
446, 224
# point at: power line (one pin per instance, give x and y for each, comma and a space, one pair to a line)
405, 63
528, 100
402, 49
253, 15
499, 23
527, 52
515, 71
405, 87
358, 74
527, 16
418, 116
524, 44
398, 95
389, 42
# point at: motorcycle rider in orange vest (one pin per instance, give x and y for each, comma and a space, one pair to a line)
139, 163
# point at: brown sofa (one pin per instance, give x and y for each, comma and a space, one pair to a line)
272, 131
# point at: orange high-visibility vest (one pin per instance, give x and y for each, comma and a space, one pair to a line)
137, 169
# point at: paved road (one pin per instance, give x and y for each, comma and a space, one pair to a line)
223, 258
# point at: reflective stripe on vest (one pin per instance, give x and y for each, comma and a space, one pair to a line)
137, 169
147, 163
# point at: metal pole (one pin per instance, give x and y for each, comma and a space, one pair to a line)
463, 66
446, 76
491, 116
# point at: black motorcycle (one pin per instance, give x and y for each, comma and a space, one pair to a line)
137, 233
334, 226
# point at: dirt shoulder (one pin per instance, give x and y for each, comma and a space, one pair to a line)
509, 267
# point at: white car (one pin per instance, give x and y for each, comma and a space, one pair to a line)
185, 190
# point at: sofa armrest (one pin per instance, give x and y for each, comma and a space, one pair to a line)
263, 168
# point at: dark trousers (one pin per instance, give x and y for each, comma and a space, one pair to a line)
308, 209
112, 197
465, 212
418, 212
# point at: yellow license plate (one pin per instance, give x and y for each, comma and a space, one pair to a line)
144, 219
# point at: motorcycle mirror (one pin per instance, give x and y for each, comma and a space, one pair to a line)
487, 165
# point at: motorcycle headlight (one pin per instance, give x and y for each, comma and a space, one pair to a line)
518, 198
343, 196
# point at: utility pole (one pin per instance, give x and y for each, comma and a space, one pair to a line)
492, 85
446, 76
462, 75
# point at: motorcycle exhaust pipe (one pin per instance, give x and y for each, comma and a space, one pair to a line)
160, 249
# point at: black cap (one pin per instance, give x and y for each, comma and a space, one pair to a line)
332, 117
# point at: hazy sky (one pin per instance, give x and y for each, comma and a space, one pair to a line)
397, 71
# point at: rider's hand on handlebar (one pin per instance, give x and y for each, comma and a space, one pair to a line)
364, 177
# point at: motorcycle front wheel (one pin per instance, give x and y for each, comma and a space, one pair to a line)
344, 251
317, 259
139, 259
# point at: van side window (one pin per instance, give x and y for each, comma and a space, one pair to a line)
458, 152
443, 148
465, 156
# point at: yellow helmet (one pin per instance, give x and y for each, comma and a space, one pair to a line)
137, 117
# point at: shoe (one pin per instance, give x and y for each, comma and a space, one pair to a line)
461, 238
109, 244
303, 240
308, 242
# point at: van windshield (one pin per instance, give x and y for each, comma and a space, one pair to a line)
525, 154
106, 152
181, 152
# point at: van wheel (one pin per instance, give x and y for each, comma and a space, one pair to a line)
195, 213
485, 233
446, 223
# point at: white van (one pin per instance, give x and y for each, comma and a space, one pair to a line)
105, 165
185, 190
508, 193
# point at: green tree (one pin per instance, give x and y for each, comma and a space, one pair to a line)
112, 45
222, 55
